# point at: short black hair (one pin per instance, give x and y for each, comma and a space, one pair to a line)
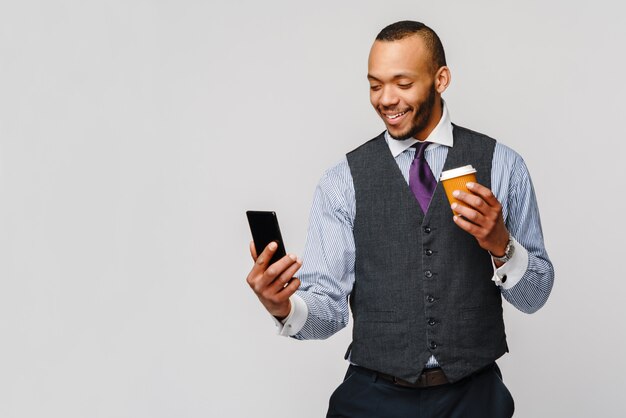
406, 28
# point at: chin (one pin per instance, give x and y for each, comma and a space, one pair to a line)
400, 135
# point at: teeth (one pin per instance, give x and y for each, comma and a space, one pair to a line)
397, 115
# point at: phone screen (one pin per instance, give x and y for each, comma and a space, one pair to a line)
265, 229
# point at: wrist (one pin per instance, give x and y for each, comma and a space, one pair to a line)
282, 314
498, 253
501, 257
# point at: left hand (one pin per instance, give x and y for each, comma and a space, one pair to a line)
481, 216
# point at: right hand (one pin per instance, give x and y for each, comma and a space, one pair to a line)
274, 285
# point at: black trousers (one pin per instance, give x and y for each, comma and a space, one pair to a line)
363, 395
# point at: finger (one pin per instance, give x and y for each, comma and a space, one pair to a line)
475, 202
282, 280
262, 261
290, 289
253, 250
469, 214
275, 270
483, 192
467, 226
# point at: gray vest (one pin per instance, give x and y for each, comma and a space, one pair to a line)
422, 284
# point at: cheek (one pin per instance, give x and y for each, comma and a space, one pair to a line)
413, 97
405, 97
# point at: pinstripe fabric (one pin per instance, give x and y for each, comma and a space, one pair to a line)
327, 274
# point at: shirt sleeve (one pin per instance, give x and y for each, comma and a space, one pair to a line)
530, 274
296, 318
320, 306
510, 273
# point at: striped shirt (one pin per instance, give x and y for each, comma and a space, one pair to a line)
320, 306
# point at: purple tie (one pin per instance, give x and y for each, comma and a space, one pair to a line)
421, 179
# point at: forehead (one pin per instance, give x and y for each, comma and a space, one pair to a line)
389, 58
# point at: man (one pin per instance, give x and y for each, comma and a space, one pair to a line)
424, 285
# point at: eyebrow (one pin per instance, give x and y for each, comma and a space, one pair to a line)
395, 77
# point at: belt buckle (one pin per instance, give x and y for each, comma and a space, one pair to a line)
426, 379
405, 384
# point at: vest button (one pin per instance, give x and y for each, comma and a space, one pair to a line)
431, 322
430, 299
433, 345
427, 229
428, 252
428, 274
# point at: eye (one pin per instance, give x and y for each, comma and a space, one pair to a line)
405, 85
375, 87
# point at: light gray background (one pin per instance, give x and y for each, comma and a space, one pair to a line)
134, 135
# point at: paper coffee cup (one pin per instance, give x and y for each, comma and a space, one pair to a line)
457, 179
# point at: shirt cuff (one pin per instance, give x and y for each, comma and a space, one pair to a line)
507, 275
294, 322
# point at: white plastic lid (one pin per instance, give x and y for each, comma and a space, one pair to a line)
457, 172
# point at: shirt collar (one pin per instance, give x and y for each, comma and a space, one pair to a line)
441, 135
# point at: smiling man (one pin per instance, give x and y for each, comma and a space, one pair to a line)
405, 89
425, 285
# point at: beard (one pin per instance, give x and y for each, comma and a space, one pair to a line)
421, 118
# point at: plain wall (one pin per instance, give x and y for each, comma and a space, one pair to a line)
135, 134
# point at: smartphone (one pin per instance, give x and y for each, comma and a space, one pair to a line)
264, 228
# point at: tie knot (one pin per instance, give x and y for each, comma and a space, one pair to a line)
419, 149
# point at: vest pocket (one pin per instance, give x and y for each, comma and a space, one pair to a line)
377, 335
479, 312
481, 331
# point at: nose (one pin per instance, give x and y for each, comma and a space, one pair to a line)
388, 97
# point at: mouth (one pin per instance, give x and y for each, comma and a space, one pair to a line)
395, 115
394, 118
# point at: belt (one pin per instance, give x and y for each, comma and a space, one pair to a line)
428, 378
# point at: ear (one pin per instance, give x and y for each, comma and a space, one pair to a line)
442, 79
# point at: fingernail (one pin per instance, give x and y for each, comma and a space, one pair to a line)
470, 185
293, 257
454, 205
455, 218
299, 260
456, 193
273, 246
